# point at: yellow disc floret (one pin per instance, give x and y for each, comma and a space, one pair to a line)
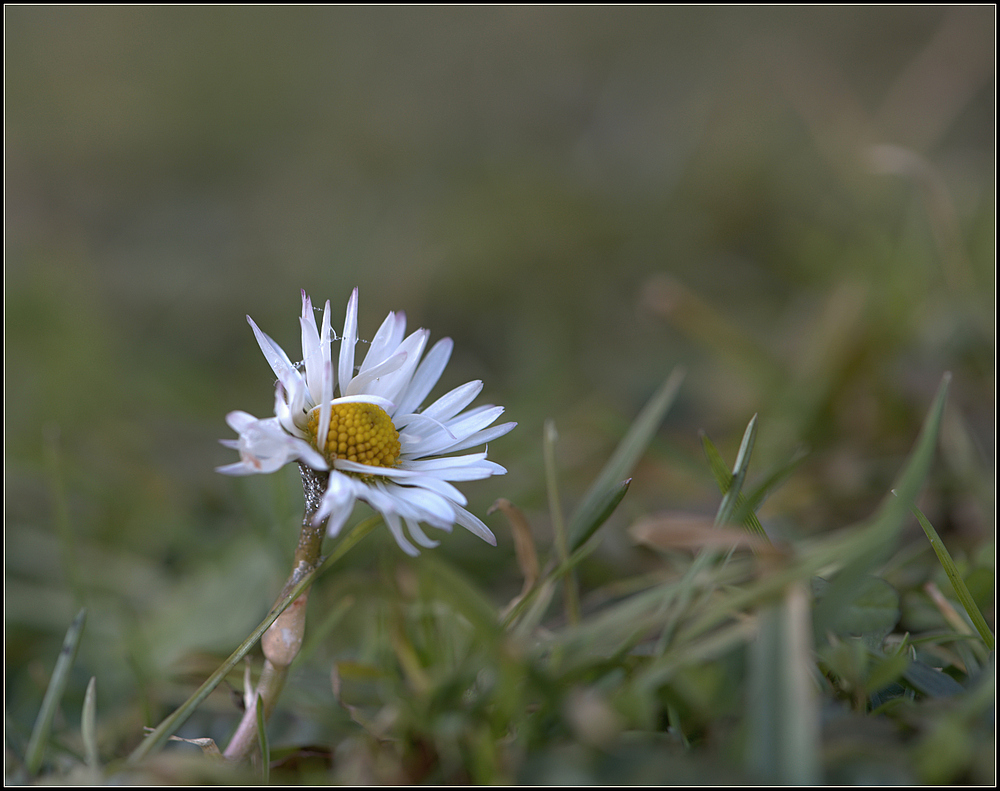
358, 432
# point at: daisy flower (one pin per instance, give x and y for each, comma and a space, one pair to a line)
374, 441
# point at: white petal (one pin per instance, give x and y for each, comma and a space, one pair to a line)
292, 405
239, 468
337, 504
419, 536
425, 377
443, 488
411, 431
459, 429
386, 340
471, 467
444, 462
283, 411
275, 357
391, 383
346, 465
326, 334
474, 420
346, 368
450, 404
368, 382
384, 403
239, 420
423, 504
312, 356
433, 481
392, 520
474, 526
479, 438
265, 447
323, 427
469, 472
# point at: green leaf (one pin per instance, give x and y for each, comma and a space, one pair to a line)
935, 683
871, 612
53, 694
961, 590
587, 517
885, 670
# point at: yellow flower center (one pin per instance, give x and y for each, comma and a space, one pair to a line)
358, 432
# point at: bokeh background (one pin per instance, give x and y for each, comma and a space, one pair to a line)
797, 205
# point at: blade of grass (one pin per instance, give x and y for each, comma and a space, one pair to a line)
875, 538
88, 725
783, 737
53, 694
855, 548
584, 521
570, 595
961, 590
166, 728
321, 633
724, 479
265, 749
527, 600
728, 504
524, 546
603, 508
755, 498
546, 582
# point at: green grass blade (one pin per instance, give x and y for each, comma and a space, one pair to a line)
724, 479
571, 595
603, 508
166, 728
755, 498
544, 586
549, 438
620, 465
265, 749
784, 729
88, 725
868, 545
53, 694
729, 499
961, 590
894, 509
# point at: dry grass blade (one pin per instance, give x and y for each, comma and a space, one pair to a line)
686, 531
524, 547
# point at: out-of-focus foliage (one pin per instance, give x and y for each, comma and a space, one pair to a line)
797, 205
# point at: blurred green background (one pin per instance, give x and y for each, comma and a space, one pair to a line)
798, 205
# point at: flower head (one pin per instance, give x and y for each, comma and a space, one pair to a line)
374, 440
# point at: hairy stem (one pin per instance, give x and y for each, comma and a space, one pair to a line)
282, 641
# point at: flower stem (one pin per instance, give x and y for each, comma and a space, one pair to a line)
282, 641
175, 720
